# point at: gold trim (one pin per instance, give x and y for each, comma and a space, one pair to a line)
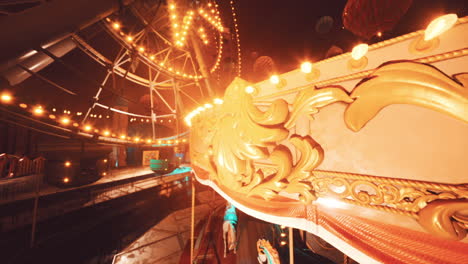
446, 218
406, 83
420, 46
313, 75
354, 65
232, 141
363, 74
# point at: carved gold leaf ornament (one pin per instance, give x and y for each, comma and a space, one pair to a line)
447, 218
309, 101
242, 137
243, 133
406, 83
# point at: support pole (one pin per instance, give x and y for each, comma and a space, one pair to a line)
204, 70
192, 231
151, 86
34, 215
291, 246
96, 97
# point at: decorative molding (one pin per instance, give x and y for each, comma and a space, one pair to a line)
359, 75
231, 142
407, 83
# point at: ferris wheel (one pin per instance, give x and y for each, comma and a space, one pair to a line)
170, 47
163, 51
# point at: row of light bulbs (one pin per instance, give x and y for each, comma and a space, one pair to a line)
180, 30
434, 29
283, 235
65, 120
211, 15
147, 120
202, 35
239, 57
98, 116
142, 50
188, 118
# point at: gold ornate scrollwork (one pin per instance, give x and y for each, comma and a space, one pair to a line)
231, 140
309, 101
242, 134
394, 195
406, 83
447, 218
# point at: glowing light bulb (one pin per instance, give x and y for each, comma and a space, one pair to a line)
87, 128
129, 38
172, 7
23, 105
122, 136
274, 79
283, 243
439, 26
218, 101
38, 110
306, 67
359, 51
141, 49
379, 34
65, 120
106, 133
6, 98
116, 25
249, 89
208, 106
67, 164
66, 180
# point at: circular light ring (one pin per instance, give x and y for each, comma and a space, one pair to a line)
156, 65
147, 59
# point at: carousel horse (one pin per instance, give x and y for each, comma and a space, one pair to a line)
229, 230
266, 253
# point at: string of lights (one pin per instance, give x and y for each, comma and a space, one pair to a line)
236, 28
143, 52
66, 120
180, 31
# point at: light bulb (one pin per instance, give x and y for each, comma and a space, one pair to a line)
439, 26
6, 98
359, 51
274, 79
249, 89
306, 67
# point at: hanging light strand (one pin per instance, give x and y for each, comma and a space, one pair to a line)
236, 28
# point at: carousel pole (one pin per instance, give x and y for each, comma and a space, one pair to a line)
192, 230
291, 246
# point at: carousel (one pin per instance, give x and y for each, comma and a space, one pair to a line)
357, 157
